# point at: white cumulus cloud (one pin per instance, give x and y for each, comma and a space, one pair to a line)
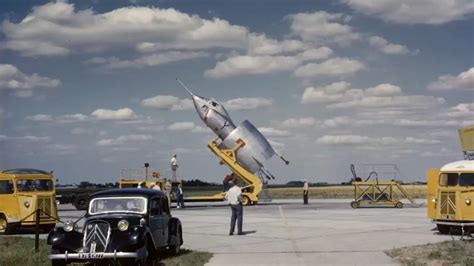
178, 126
168, 102
386, 47
303, 122
39, 118
322, 26
463, 81
248, 103
334, 67
134, 138
11, 78
414, 12
383, 96
120, 114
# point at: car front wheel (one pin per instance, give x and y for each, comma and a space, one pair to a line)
175, 249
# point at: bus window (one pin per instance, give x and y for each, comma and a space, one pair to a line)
466, 179
452, 179
448, 179
6, 187
25, 185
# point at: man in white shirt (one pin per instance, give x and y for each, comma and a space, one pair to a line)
156, 186
174, 167
305, 192
234, 197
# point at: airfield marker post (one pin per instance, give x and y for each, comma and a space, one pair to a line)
37, 215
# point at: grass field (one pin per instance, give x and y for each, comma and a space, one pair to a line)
20, 251
444, 253
329, 192
339, 192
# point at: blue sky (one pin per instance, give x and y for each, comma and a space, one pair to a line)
88, 88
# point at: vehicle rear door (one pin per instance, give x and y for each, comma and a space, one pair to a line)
156, 222
165, 218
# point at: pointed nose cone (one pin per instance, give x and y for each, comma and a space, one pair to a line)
200, 104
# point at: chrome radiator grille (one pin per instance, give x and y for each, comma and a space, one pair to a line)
44, 204
96, 236
447, 207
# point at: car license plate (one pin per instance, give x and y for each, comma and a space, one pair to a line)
86, 256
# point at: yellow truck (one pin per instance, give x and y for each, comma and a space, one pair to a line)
22, 192
450, 196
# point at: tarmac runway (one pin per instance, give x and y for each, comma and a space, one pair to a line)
286, 232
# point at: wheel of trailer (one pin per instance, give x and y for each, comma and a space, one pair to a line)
246, 201
399, 205
355, 204
80, 202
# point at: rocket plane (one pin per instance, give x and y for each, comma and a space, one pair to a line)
216, 117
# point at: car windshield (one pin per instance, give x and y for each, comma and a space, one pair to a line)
27, 185
118, 205
466, 179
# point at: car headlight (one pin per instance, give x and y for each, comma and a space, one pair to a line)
68, 226
142, 222
433, 199
27, 204
122, 225
468, 201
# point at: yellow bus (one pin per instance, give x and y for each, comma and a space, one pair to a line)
450, 196
22, 192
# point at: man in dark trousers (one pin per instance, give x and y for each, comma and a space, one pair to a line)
179, 196
234, 197
305, 192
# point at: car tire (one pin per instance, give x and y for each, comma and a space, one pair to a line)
176, 248
81, 202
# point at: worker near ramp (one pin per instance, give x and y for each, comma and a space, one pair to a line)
174, 167
168, 191
226, 181
305, 191
234, 198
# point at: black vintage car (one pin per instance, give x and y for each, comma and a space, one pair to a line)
129, 226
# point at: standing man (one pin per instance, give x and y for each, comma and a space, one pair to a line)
174, 167
305, 192
226, 181
179, 197
234, 197
168, 191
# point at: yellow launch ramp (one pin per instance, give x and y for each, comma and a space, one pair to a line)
228, 157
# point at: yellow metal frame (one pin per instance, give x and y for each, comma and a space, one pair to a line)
228, 158
377, 194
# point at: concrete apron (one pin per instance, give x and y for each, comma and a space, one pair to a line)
323, 232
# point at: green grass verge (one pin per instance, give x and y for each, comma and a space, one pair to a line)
329, 192
444, 253
21, 251
339, 192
